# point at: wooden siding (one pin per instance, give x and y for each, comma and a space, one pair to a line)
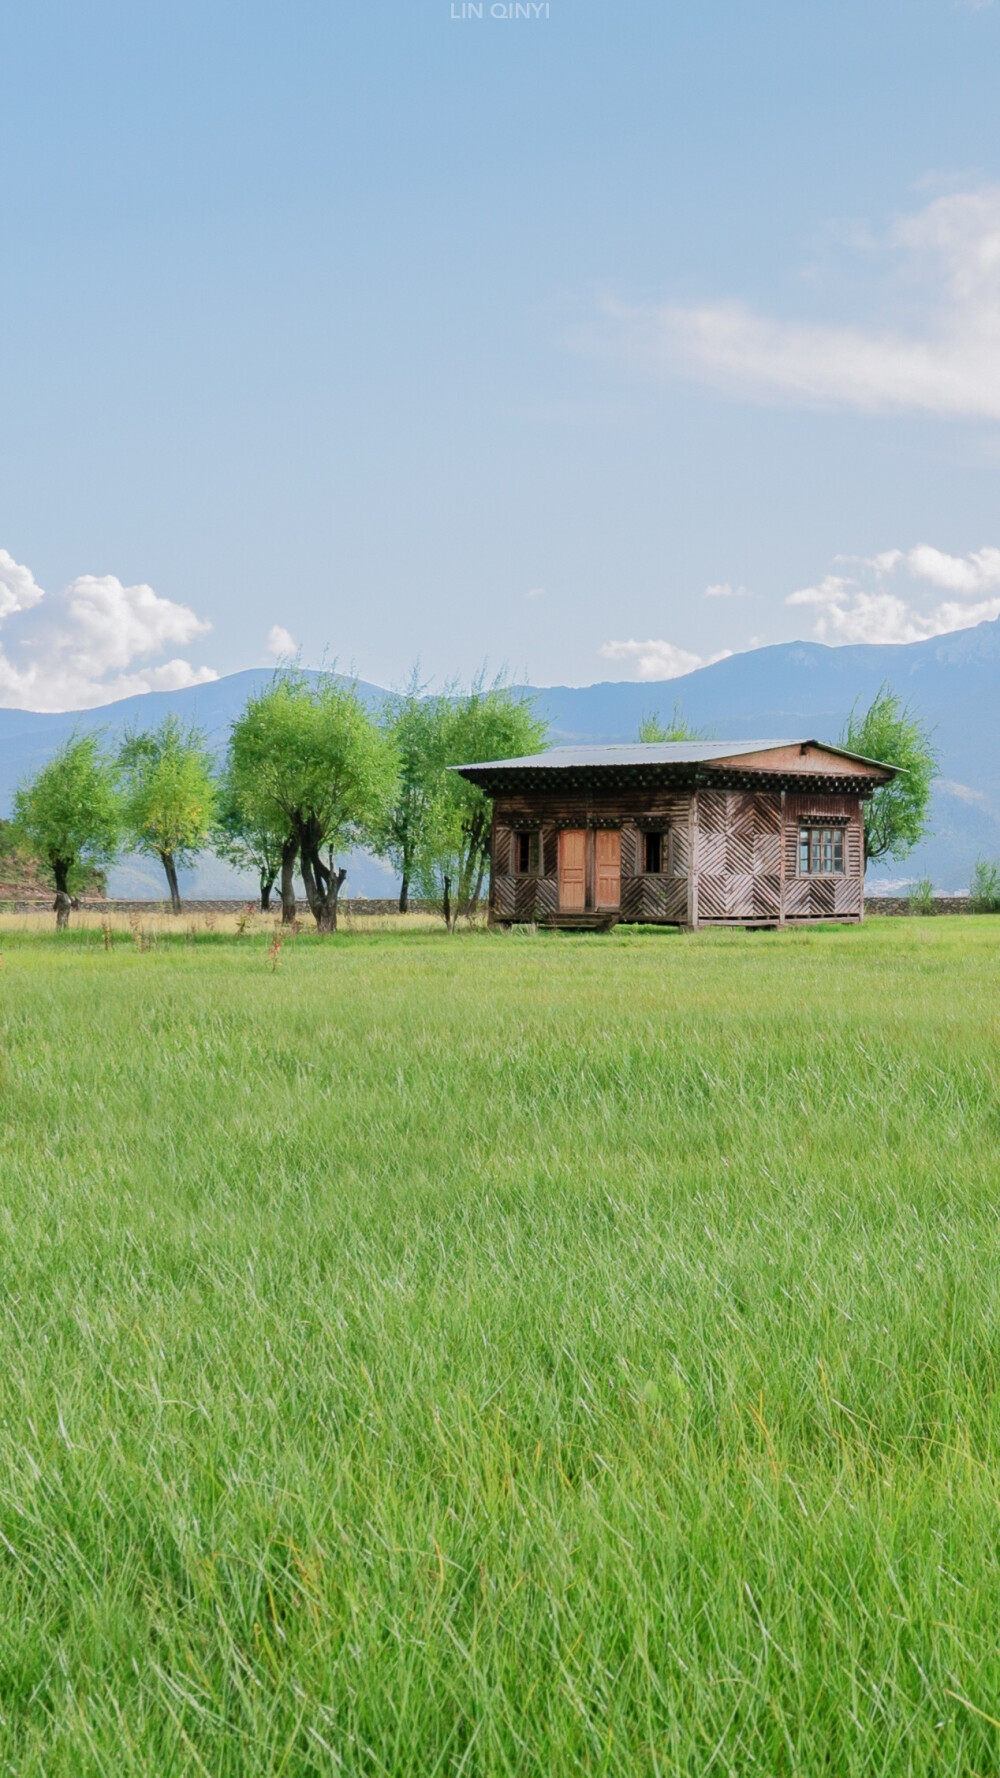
729, 857
798, 759
817, 898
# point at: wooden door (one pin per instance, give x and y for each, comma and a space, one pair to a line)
608, 863
573, 870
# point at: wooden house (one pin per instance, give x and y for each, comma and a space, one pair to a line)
701, 833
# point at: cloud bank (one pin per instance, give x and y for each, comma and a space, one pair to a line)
874, 603
83, 648
947, 363
656, 659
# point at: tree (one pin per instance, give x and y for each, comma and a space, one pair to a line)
495, 723
984, 889
418, 727
652, 731
888, 731
69, 816
169, 796
250, 836
322, 769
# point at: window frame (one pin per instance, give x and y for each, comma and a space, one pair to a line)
534, 852
662, 834
811, 841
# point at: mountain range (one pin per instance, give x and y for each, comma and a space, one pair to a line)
793, 689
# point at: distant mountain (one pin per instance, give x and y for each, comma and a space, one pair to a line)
804, 688
794, 688
28, 738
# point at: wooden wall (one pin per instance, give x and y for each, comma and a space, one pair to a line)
732, 856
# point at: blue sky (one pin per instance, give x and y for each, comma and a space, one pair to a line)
502, 339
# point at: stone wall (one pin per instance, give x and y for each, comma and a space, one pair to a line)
348, 905
900, 904
365, 908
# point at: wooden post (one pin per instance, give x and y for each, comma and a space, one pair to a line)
861, 820
781, 866
693, 862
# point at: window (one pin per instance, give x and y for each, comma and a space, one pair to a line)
526, 854
654, 853
821, 851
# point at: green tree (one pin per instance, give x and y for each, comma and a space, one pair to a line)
497, 722
69, 816
896, 817
322, 770
250, 835
418, 727
652, 731
169, 796
984, 889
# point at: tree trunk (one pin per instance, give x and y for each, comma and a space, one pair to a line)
62, 903
473, 906
266, 885
167, 859
288, 855
307, 861
323, 885
404, 893
446, 904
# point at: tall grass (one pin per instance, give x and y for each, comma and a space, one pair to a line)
501, 1356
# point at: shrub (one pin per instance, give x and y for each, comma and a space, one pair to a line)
984, 889
921, 897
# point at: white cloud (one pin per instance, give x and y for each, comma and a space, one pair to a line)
722, 590
657, 659
863, 608
974, 573
83, 648
280, 642
948, 364
964, 792
18, 587
535, 592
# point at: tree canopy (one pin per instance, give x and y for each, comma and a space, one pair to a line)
888, 731
652, 730
169, 796
251, 834
69, 815
322, 769
420, 728
495, 722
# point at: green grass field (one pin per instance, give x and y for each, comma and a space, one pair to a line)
508, 1355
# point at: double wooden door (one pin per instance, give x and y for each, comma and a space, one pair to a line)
573, 869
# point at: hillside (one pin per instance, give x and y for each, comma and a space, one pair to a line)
22, 875
795, 688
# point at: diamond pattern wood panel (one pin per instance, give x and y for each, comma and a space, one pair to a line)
712, 903
797, 898
502, 898
525, 895
739, 855
847, 895
632, 898
546, 898
811, 898
767, 896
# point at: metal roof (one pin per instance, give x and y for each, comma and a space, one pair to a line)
679, 753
